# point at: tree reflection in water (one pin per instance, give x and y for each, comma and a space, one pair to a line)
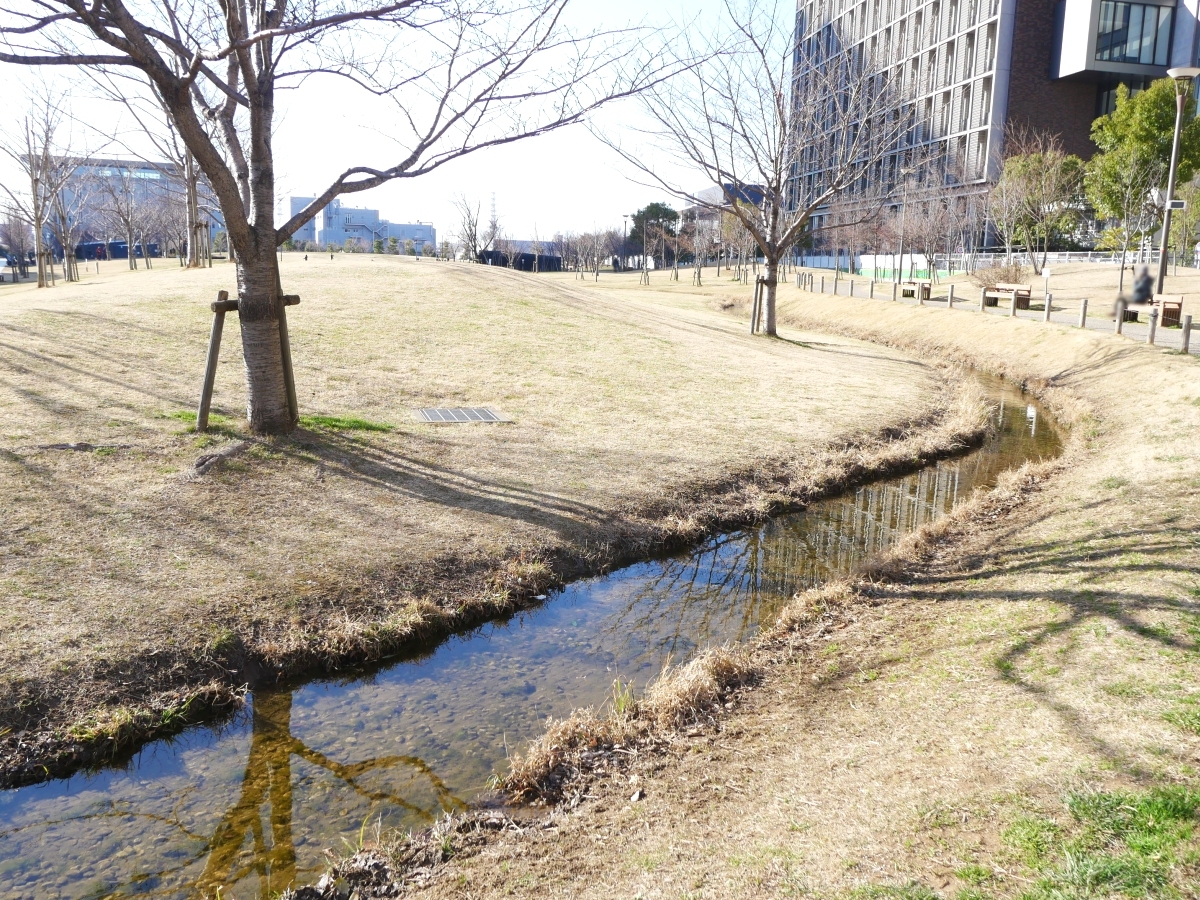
253, 842
266, 802
727, 588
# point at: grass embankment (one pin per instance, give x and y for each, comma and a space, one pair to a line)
1008, 708
147, 572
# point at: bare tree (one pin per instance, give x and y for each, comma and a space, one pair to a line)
123, 205
17, 238
68, 211
468, 226
781, 126
44, 157
463, 75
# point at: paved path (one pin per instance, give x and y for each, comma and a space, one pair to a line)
1098, 320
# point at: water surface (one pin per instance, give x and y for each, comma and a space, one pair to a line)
249, 806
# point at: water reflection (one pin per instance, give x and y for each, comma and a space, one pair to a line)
251, 844
249, 807
254, 838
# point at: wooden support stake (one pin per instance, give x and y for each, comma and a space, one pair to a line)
754, 311
1153, 327
222, 306
1083, 313
1187, 333
285, 352
1120, 323
1049, 304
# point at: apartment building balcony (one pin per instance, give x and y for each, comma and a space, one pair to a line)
1109, 41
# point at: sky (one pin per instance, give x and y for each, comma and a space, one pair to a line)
564, 181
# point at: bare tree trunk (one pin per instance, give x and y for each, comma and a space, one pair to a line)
772, 282
130, 245
267, 407
40, 251
193, 213
1121, 278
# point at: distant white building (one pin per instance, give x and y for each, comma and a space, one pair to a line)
336, 223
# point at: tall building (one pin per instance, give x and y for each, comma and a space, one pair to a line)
337, 223
972, 67
98, 185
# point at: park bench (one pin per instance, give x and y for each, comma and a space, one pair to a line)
918, 289
1169, 306
1017, 294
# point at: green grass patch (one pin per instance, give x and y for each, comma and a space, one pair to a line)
1185, 717
344, 423
974, 874
1031, 838
217, 423
1113, 482
911, 891
186, 415
1128, 690
1123, 844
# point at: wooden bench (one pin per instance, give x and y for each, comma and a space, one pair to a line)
918, 289
1169, 306
1017, 294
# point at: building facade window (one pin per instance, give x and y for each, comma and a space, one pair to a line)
1134, 33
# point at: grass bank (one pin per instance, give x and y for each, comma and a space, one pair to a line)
148, 573
1006, 709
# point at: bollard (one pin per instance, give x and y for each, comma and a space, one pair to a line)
1153, 327
920, 292
851, 288
822, 284
950, 298
895, 288
797, 279
1120, 324
983, 299
1046, 311
1083, 313
871, 290
1187, 333
1012, 306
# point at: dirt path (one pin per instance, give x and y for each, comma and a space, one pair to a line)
1021, 718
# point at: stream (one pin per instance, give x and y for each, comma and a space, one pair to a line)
249, 806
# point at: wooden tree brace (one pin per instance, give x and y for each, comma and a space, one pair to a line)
222, 306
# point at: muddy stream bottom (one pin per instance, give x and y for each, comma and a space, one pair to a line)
248, 807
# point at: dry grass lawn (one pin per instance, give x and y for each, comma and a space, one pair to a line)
127, 577
1020, 718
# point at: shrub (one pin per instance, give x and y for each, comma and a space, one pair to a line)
999, 273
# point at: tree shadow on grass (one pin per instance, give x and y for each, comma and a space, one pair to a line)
1099, 564
405, 473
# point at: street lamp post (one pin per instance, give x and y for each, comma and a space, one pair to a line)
1183, 76
906, 172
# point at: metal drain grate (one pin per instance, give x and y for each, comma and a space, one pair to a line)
459, 414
